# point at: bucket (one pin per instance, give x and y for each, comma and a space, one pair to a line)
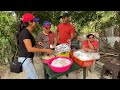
80, 62
66, 54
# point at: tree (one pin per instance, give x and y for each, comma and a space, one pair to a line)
7, 37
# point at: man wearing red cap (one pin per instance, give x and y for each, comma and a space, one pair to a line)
65, 30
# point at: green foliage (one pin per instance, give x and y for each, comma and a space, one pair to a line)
92, 21
7, 36
51, 16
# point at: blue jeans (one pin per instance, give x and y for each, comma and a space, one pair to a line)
29, 68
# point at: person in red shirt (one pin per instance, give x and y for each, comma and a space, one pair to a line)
65, 30
91, 45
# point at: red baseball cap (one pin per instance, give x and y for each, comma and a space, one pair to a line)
28, 16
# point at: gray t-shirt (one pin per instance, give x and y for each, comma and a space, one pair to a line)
44, 39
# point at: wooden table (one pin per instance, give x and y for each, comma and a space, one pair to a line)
49, 74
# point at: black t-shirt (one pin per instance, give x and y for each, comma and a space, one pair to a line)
25, 34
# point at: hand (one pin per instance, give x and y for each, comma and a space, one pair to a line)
92, 50
88, 40
40, 43
54, 45
69, 41
95, 50
49, 51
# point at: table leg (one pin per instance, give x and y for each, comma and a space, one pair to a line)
66, 75
45, 74
84, 73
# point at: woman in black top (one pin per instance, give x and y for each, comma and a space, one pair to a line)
26, 44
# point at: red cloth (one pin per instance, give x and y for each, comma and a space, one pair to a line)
51, 37
95, 44
65, 31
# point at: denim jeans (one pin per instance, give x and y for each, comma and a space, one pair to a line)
29, 68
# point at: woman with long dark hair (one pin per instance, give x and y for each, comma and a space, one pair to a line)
26, 43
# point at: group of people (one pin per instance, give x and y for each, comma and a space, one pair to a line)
65, 33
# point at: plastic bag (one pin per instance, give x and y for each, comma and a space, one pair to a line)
82, 55
62, 48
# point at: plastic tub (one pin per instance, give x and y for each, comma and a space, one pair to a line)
60, 69
80, 62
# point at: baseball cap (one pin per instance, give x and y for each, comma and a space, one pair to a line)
46, 24
28, 16
65, 15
